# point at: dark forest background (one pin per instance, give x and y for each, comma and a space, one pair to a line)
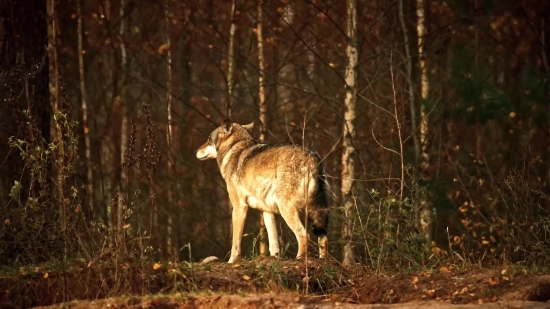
105, 101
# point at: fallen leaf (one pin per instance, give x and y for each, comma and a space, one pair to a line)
162, 48
245, 277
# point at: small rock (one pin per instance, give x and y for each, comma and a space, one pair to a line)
210, 259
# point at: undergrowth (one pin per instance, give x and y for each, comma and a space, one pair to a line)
53, 249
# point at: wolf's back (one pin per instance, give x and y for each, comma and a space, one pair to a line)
264, 160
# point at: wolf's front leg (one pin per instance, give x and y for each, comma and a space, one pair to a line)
271, 227
238, 217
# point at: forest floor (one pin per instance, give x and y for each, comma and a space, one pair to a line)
270, 283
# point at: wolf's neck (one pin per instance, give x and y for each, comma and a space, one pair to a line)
228, 158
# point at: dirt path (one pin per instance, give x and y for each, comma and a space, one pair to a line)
267, 283
272, 301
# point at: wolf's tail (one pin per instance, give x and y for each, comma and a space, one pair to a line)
319, 213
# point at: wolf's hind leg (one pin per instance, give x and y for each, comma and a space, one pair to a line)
289, 212
271, 227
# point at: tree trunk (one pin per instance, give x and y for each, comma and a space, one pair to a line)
169, 140
412, 93
231, 61
54, 87
348, 154
286, 70
426, 220
122, 198
85, 124
52, 54
262, 111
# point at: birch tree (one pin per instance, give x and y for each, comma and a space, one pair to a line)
84, 105
231, 60
123, 132
348, 154
262, 115
169, 134
426, 220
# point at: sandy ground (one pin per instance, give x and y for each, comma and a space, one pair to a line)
283, 300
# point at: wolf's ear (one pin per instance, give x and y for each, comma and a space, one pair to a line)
248, 127
227, 125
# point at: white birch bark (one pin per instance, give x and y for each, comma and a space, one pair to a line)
169, 135
348, 154
262, 110
426, 220
231, 61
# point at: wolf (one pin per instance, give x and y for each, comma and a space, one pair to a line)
275, 179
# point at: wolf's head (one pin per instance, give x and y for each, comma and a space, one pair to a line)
222, 135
